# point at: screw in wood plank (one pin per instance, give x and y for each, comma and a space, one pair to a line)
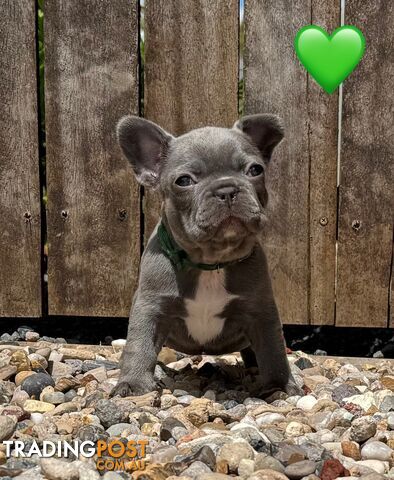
64, 214
356, 225
323, 221
122, 213
27, 216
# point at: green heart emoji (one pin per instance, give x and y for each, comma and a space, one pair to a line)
329, 59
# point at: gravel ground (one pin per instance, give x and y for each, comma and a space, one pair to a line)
205, 423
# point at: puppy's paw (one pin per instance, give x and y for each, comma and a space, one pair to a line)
293, 389
122, 389
280, 392
127, 389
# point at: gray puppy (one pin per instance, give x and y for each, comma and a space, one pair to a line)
204, 285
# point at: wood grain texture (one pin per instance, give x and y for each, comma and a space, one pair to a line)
367, 173
302, 176
191, 70
93, 199
20, 250
323, 148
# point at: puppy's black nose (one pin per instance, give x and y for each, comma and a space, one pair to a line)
226, 194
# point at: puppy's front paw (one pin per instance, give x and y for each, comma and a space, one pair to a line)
293, 389
269, 394
127, 389
122, 389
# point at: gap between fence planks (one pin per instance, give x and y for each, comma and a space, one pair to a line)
191, 70
93, 200
20, 247
300, 236
367, 173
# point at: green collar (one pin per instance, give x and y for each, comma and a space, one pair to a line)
180, 258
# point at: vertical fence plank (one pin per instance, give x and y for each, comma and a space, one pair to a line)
367, 173
93, 200
323, 147
301, 252
20, 258
191, 70
391, 292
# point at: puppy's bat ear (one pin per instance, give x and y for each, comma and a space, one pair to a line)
264, 130
144, 144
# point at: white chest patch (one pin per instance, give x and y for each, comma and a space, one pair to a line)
203, 319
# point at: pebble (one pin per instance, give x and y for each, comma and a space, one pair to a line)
32, 336
251, 435
288, 454
303, 363
196, 469
232, 454
298, 470
264, 462
35, 384
376, 465
390, 421
332, 469
20, 360
246, 467
297, 429
203, 423
377, 451
36, 418
20, 377
109, 413
365, 401
362, 429
7, 372
343, 391
387, 404
269, 418
7, 427
55, 469
54, 397
36, 406
351, 449
267, 475
38, 362
60, 369
306, 403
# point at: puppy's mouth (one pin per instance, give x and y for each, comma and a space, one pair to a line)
232, 225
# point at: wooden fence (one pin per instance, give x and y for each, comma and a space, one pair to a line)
330, 241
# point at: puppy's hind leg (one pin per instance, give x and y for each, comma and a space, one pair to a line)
249, 357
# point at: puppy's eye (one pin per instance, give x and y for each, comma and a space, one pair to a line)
184, 181
255, 170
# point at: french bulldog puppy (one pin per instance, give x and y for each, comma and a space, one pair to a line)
204, 285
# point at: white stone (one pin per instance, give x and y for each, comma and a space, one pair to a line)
377, 451
365, 401
245, 468
269, 418
377, 465
332, 446
306, 403
328, 437
348, 478
381, 395
362, 388
120, 342
36, 418
347, 368
390, 421
293, 399
296, 429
